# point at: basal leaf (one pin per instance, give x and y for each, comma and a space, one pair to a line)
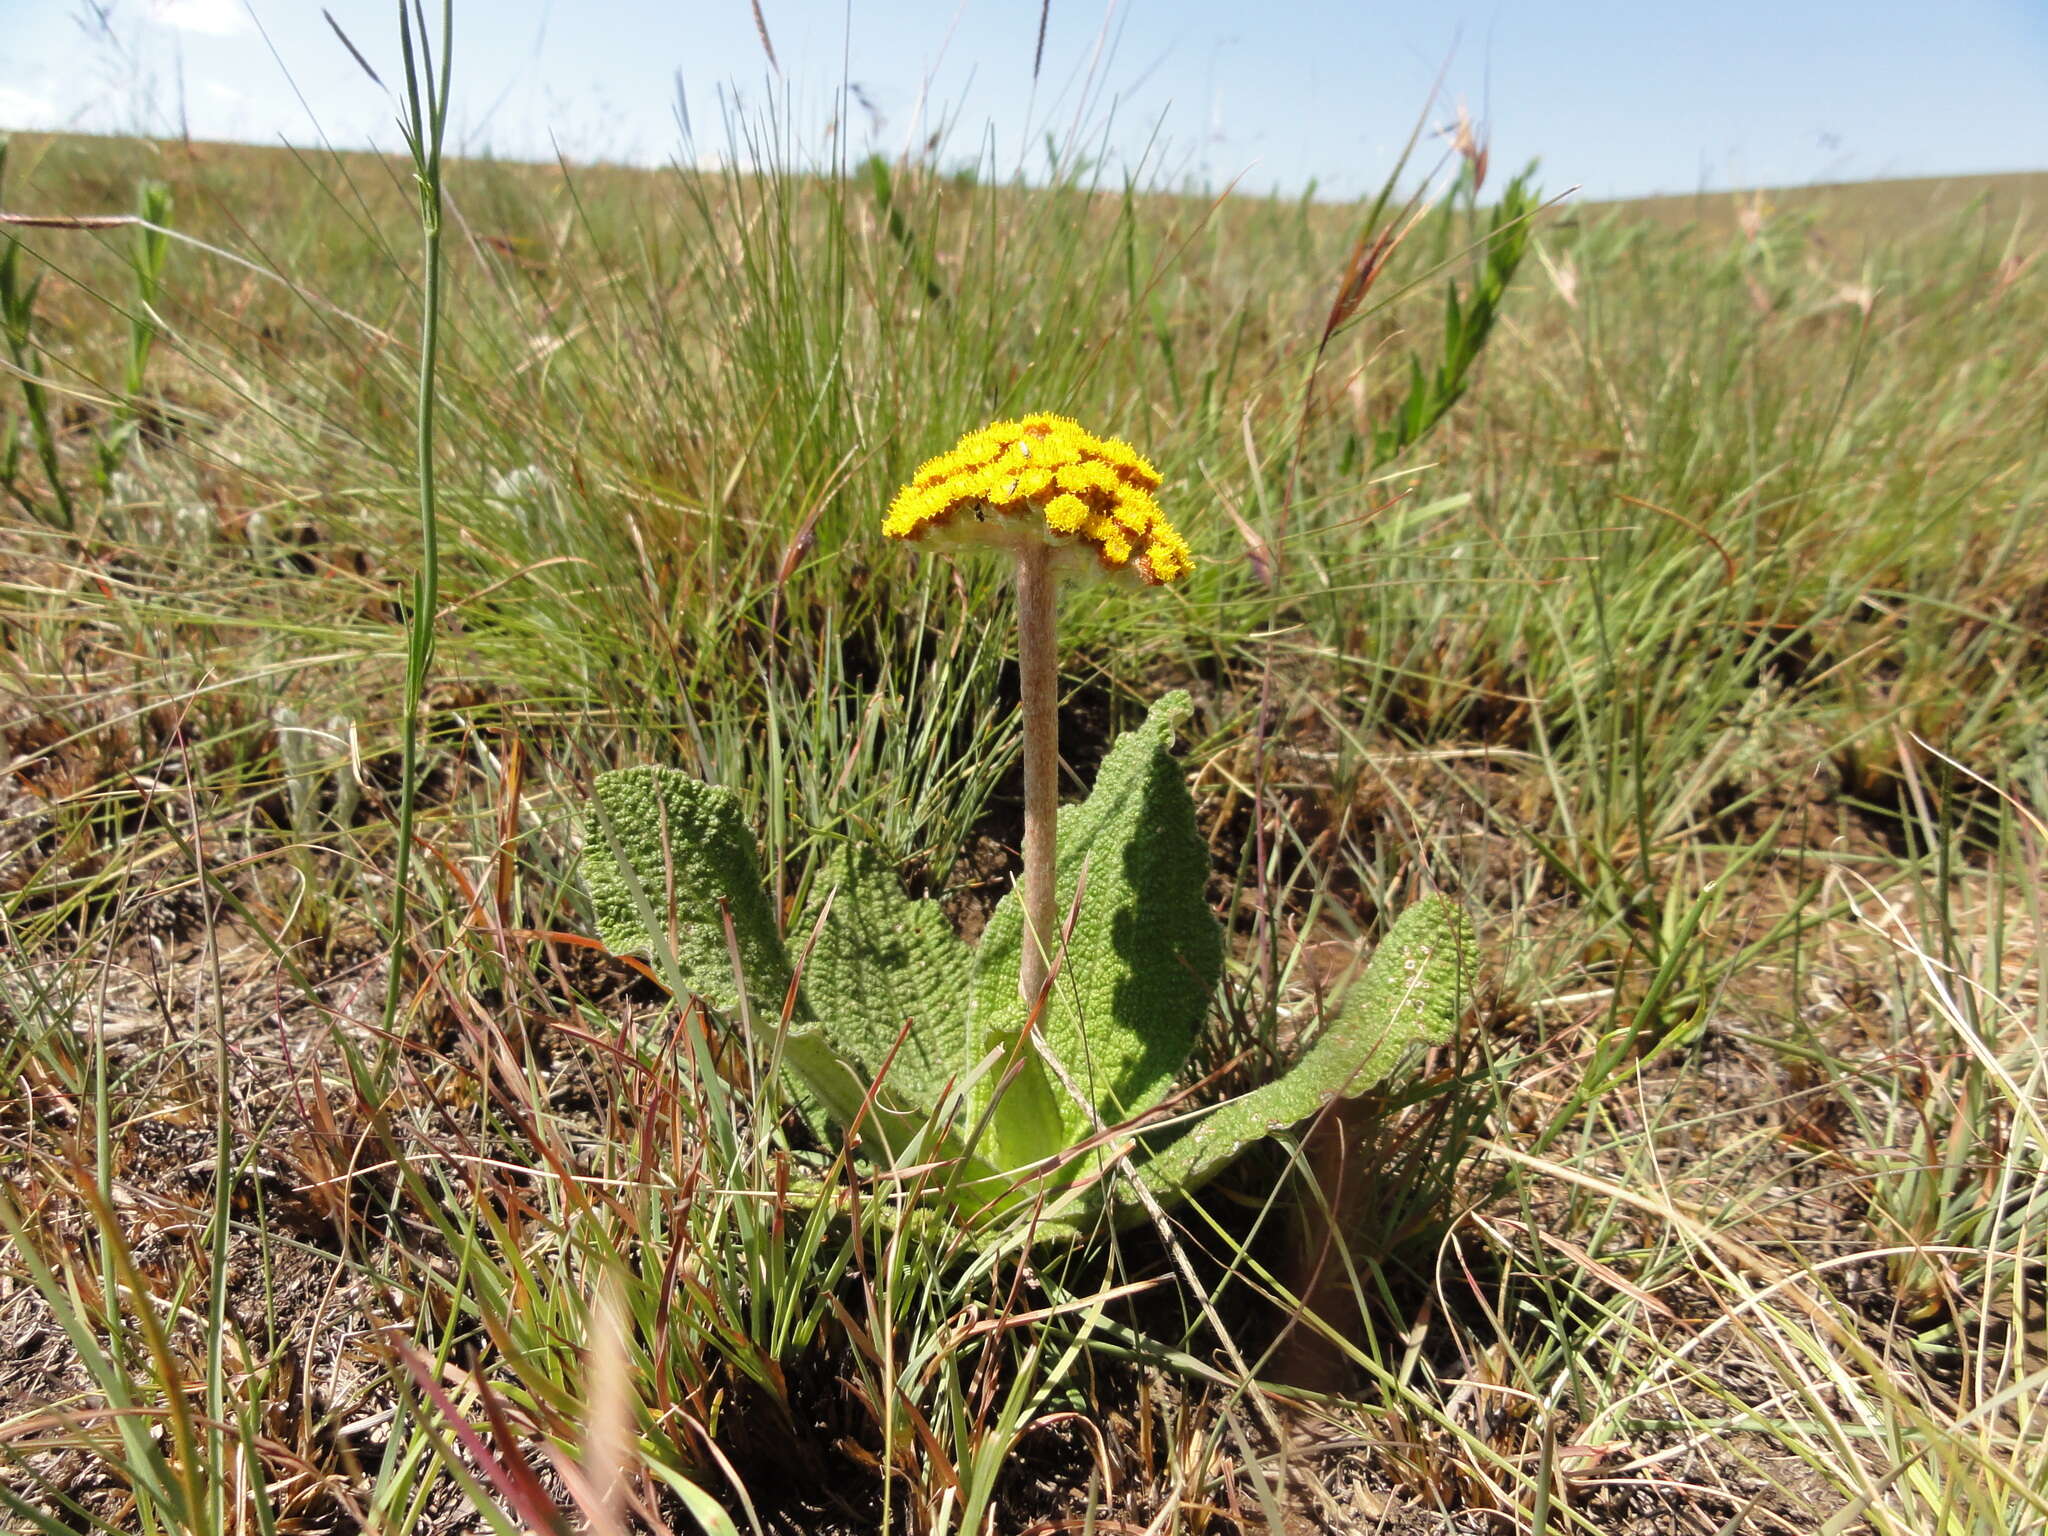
668, 855
1410, 996
882, 959
1145, 950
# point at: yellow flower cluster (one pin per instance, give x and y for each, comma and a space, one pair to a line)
1043, 479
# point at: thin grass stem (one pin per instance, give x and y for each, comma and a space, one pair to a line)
429, 115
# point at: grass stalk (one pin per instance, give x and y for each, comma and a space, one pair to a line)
427, 117
18, 324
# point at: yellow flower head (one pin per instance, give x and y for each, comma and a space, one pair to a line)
1044, 480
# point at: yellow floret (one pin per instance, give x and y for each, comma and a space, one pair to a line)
1131, 508
1051, 425
977, 448
933, 470
1086, 475
1055, 451
1129, 462
1066, 513
972, 485
1007, 492
906, 513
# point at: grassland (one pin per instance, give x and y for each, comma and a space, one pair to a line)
1699, 652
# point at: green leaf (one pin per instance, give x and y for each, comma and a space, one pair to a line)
1145, 950
1468, 320
703, 1508
668, 857
1410, 996
880, 960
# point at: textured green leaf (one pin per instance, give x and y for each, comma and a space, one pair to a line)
1145, 950
668, 855
882, 959
1410, 996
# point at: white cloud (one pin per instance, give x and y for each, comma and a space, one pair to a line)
19, 109
212, 18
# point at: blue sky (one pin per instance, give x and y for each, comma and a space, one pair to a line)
1621, 99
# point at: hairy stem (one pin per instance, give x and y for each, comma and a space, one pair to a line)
1038, 687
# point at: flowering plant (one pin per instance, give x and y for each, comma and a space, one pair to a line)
1038, 1066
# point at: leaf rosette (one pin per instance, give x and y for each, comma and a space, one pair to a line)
893, 1022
